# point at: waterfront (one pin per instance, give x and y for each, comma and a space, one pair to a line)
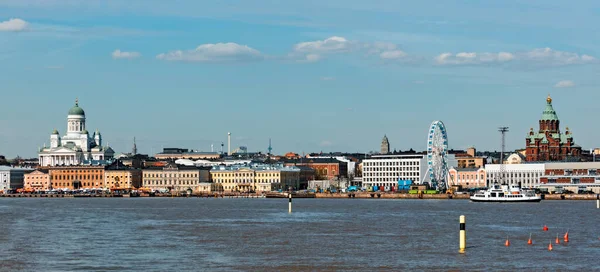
191, 234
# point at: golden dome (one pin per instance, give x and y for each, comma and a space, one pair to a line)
549, 99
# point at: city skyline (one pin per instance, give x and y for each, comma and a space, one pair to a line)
310, 76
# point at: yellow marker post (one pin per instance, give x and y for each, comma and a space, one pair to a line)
462, 235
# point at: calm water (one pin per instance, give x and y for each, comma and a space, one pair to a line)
178, 234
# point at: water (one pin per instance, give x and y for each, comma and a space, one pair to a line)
191, 234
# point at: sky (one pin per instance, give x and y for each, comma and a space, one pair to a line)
313, 76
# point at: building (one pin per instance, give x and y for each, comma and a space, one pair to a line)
38, 180
121, 177
470, 159
77, 146
385, 145
467, 177
12, 178
515, 158
173, 177
549, 143
572, 176
76, 177
325, 168
181, 153
255, 177
387, 170
526, 175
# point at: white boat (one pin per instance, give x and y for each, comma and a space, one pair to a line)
504, 193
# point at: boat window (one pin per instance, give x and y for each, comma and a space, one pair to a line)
493, 194
501, 195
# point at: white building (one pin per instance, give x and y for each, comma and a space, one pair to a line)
12, 178
386, 170
77, 146
527, 175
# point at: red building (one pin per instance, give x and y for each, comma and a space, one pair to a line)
549, 144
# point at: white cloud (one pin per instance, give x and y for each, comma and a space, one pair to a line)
332, 44
55, 67
327, 78
219, 52
392, 54
564, 84
314, 51
554, 57
118, 54
539, 56
465, 58
14, 24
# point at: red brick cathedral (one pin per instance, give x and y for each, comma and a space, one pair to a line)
549, 144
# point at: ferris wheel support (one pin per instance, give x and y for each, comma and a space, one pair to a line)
437, 156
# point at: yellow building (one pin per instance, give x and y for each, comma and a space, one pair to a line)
122, 178
75, 177
38, 180
173, 177
255, 178
467, 177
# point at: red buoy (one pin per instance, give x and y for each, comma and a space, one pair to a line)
550, 246
545, 228
529, 242
557, 241
507, 243
566, 237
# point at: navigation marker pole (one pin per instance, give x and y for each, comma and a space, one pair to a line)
462, 235
290, 203
597, 201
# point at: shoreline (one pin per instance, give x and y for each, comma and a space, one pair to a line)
354, 195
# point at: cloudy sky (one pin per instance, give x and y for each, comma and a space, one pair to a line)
312, 75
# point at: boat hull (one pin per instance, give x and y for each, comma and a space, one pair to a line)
505, 200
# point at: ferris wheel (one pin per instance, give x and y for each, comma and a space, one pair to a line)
437, 151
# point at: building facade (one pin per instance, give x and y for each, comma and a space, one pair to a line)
12, 178
76, 177
255, 178
325, 168
467, 177
122, 178
385, 145
172, 177
575, 177
549, 143
526, 175
387, 170
77, 146
38, 180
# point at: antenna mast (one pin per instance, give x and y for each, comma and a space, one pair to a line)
503, 131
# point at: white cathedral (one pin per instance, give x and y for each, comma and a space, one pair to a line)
76, 147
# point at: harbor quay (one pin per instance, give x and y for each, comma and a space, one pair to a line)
349, 195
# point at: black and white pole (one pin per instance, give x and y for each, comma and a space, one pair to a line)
597, 201
462, 235
290, 203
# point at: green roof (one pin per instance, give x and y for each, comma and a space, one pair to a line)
76, 110
549, 112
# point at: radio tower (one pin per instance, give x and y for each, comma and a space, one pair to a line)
503, 131
270, 148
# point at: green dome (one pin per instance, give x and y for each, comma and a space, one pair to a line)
76, 110
85, 131
549, 113
55, 131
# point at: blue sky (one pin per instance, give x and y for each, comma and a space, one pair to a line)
311, 75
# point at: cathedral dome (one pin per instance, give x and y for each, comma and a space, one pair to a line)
76, 110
